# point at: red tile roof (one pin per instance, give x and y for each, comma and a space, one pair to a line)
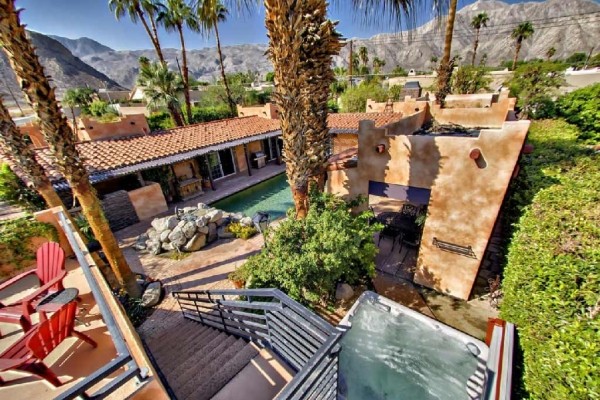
129, 154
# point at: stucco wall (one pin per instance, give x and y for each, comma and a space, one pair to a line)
125, 126
148, 201
133, 110
268, 110
240, 158
465, 197
479, 100
344, 141
254, 147
405, 107
185, 168
49, 217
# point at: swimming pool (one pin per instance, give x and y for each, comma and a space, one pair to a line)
392, 352
273, 196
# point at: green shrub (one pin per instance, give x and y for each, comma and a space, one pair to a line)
159, 121
16, 193
15, 238
207, 114
552, 278
582, 108
307, 258
241, 231
102, 111
470, 79
355, 98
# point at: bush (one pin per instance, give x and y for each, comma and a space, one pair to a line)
241, 231
355, 98
582, 108
16, 193
469, 79
15, 239
307, 258
551, 281
102, 111
160, 121
207, 114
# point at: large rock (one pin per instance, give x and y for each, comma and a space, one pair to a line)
202, 206
224, 233
140, 243
246, 221
202, 221
189, 210
162, 224
164, 236
215, 215
167, 246
236, 217
152, 234
223, 221
189, 229
212, 232
177, 238
153, 247
197, 242
344, 292
203, 229
152, 294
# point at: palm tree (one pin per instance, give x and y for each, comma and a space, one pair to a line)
363, 55
446, 65
77, 97
523, 31
162, 88
479, 21
210, 13
378, 63
144, 11
550, 53
15, 147
302, 43
60, 138
174, 15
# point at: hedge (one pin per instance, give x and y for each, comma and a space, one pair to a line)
582, 108
552, 277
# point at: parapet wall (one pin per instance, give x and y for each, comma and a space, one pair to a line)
268, 111
91, 129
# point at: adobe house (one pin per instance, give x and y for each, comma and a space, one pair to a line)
461, 177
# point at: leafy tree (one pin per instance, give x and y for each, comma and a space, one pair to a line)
162, 88
582, 108
378, 63
479, 21
399, 71
270, 77
594, 61
101, 110
576, 59
174, 15
522, 32
15, 192
160, 121
355, 98
469, 79
534, 84
307, 258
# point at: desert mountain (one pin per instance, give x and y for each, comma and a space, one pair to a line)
82, 47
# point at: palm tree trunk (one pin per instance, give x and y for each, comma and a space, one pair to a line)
475, 48
445, 70
517, 51
59, 137
232, 106
186, 82
176, 115
153, 36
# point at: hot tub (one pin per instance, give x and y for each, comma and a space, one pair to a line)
392, 352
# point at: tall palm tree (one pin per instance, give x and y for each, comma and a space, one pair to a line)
363, 55
162, 88
446, 65
77, 97
16, 148
550, 53
302, 43
144, 11
479, 21
378, 63
522, 32
174, 15
210, 14
60, 138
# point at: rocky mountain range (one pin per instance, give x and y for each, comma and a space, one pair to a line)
567, 25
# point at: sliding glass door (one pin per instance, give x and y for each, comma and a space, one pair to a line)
221, 163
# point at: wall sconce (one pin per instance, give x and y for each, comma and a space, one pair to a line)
380, 148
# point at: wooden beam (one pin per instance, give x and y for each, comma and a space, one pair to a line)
247, 159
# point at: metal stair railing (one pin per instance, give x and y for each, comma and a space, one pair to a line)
268, 317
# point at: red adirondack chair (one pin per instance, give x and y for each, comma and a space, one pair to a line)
28, 353
50, 272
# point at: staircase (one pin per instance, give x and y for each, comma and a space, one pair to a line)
196, 360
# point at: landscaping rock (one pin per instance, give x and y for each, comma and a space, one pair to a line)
189, 210
167, 246
197, 242
224, 233
152, 234
344, 292
202, 206
215, 215
164, 236
223, 221
203, 230
177, 238
236, 217
140, 243
212, 232
153, 247
162, 224
189, 229
202, 221
246, 221
201, 212
152, 294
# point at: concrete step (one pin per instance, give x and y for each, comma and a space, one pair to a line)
201, 366
261, 379
225, 372
180, 336
199, 346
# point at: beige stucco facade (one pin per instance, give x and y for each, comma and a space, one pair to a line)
91, 129
268, 110
148, 201
465, 194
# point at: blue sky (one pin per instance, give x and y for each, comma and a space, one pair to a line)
92, 18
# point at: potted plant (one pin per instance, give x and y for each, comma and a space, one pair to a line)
238, 277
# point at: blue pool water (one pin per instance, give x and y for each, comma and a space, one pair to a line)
273, 196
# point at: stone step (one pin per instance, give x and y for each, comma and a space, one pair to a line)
199, 346
227, 371
189, 375
179, 336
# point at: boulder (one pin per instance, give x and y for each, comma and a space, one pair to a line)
153, 247
212, 232
189, 210
202, 206
223, 221
162, 224
215, 215
152, 294
152, 234
203, 229
202, 221
223, 233
236, 217
200, 212
189, 229
164, 236
177, 238
167, 246
197, 242
246, 221
140, 243
344, 292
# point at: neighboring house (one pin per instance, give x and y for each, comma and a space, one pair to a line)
459, 177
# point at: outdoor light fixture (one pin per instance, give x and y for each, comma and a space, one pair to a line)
380, 148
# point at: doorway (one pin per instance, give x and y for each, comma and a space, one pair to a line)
221, 163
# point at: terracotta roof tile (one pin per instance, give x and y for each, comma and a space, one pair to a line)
349, 121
